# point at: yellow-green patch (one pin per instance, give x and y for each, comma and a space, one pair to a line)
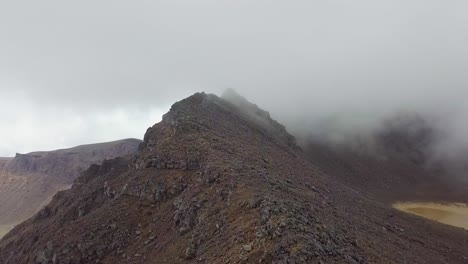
4, 229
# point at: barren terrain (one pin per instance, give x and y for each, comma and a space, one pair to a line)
28, 181
217, 182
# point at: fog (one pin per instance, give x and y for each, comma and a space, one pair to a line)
88, 71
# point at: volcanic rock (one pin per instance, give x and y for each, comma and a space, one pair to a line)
252, 212
28, 181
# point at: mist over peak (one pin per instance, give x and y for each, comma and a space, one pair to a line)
118, 64
339, 113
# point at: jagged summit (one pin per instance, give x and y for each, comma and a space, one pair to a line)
203, 121
259, 116
211, 184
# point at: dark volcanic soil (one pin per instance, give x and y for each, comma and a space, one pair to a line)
28, 181
394, 164
216, 184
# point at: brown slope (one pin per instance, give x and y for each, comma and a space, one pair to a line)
211, 186
4, 162
28, 181
396, 163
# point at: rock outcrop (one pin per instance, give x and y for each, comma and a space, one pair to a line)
210, 185
28, 181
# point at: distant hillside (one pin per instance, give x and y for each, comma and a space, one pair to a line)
399, 161
28, 181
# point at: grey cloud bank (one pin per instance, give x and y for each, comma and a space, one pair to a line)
67, 69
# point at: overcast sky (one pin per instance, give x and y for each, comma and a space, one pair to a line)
74, 72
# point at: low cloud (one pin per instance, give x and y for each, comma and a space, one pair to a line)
73, 73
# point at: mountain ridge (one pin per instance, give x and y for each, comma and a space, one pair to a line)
209, 185
28, 181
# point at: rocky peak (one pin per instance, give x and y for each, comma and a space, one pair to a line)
211, 116
258, 116
212, 184
200, 123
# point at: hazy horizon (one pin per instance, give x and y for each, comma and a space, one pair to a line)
86, 72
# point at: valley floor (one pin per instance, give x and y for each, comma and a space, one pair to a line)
4, 229
449, 213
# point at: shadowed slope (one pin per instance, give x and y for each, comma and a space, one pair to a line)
396, 163
28, 181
